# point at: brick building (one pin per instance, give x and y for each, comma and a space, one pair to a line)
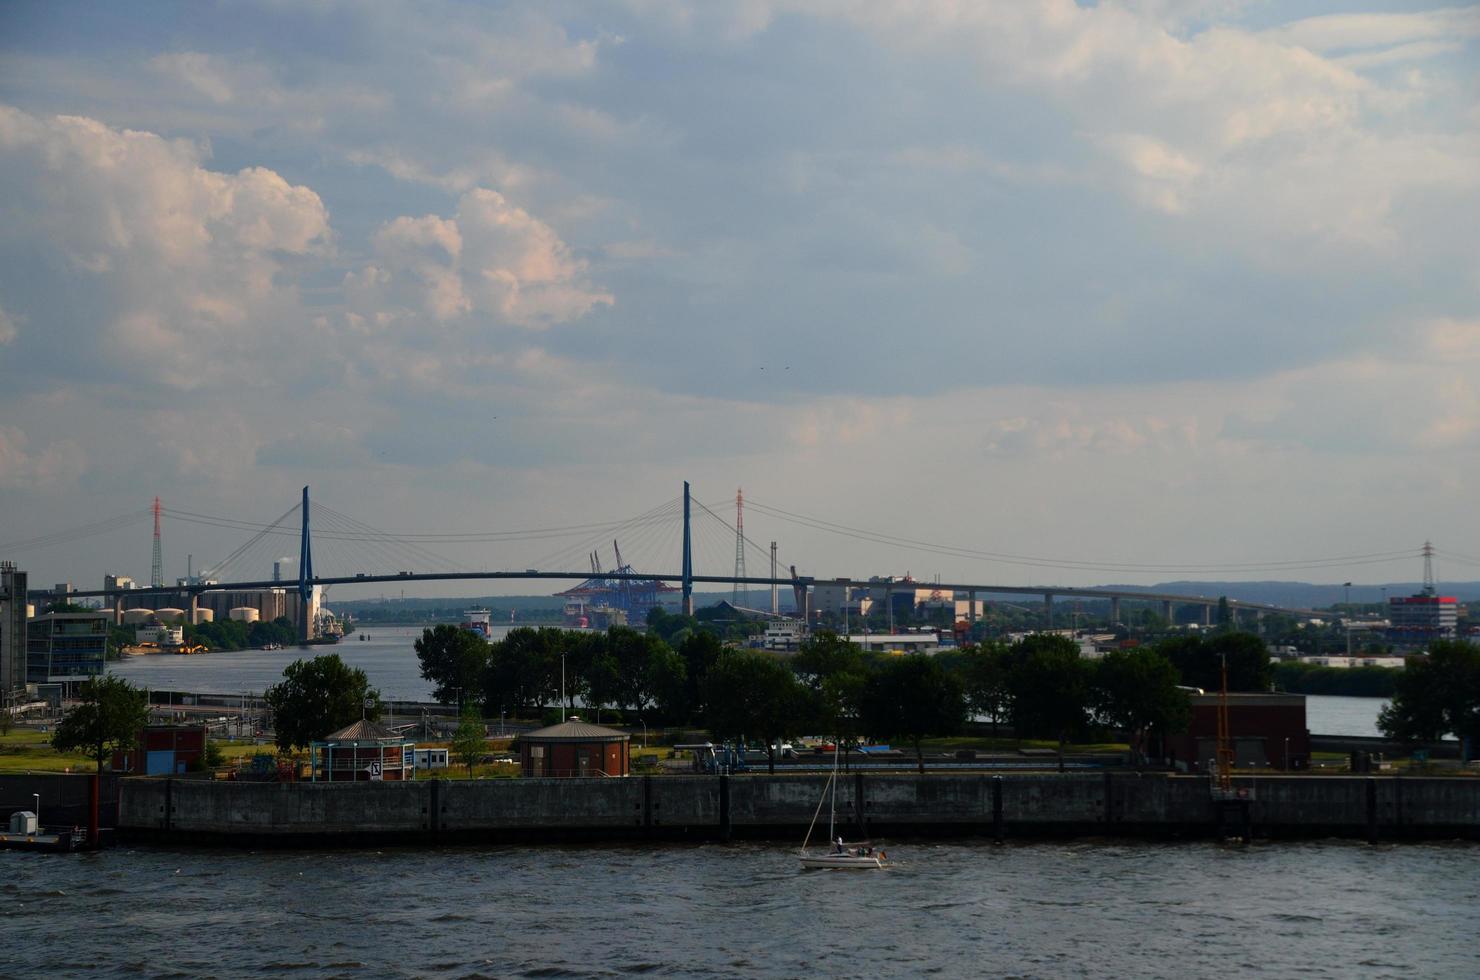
1266, 730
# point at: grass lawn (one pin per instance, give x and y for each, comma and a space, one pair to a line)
27, 748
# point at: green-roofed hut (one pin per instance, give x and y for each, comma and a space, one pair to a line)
362, 751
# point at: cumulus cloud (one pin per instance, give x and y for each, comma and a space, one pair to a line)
181, 257
492, 258
1256, 129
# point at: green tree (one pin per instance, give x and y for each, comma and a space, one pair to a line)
835, 674
984, 671
823, 655
109, 718
750, 693
1048, 684
1225, 614
912, 697
469, 741
699, 652
523, 669
319, 696
1137, 692
1437, 695
1199, 660
454, 660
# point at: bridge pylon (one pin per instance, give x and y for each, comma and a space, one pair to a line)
305, 577
688, 557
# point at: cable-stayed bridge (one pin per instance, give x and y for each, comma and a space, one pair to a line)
333, 548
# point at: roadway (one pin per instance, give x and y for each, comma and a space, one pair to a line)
973, 589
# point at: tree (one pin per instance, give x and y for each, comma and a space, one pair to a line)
1136, 691
319, 696
699, 652
1437, 695
1199, 660
1225, 614
646, 670
1048, 684
523, 670
912, 697
453, 659
749, 693
823, 655
984, 671
108, 720
468, 742
835, 674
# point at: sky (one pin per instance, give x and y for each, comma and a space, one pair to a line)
1083, 293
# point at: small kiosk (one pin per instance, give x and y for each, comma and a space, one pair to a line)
363, 751
575, 748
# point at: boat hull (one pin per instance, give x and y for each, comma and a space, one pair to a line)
849, 862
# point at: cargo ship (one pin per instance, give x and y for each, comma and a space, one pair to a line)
479, 621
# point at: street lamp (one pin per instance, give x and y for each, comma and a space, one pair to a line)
1287, 753
37, 798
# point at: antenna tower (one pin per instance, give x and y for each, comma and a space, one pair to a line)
739, 546
1429, 588
156, 570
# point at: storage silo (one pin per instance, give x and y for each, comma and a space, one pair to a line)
244, 614
170, 614
204, 615
137, 616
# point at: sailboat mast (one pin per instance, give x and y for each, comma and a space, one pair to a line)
832, 783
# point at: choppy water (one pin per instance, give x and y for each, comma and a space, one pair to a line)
1100, 909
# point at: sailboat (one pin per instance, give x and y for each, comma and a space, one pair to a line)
860, 857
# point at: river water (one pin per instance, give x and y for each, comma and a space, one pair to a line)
1093, 909
389, 660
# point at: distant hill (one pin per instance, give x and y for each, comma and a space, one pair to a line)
1304, 595
1300, 595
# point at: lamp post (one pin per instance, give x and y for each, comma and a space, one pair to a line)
1287, 753
37, 798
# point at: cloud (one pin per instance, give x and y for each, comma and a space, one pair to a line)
492, 258
1074, 434
179, 258
9, 327
58, 465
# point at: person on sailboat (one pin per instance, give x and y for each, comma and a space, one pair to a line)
839, 845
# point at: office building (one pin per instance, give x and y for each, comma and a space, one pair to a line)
13, 617
66, 648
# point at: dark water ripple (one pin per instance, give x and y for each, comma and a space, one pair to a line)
1096, 909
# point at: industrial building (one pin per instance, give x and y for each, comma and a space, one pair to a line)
66, 648
1420, 618
163, 750
14, 613
1265, 731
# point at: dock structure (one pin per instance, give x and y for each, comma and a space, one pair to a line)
720, 807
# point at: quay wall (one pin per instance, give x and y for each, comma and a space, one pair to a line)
1155, 805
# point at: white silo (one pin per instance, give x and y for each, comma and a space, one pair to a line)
244, 614
170, 614
204, 615
137, 616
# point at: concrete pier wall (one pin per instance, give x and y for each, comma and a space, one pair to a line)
712, 807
